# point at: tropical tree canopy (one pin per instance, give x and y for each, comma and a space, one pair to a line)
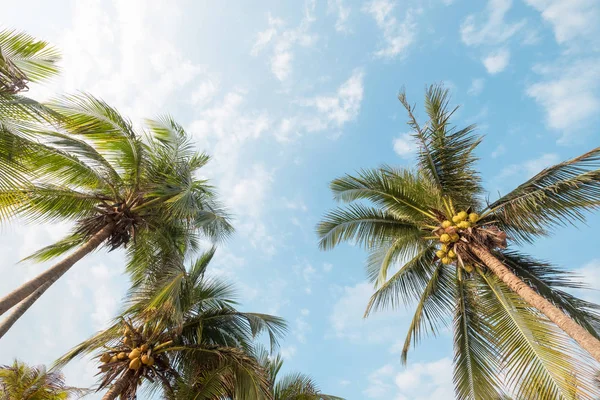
182, 335
23, 59
113, 183
20, 381
435, 242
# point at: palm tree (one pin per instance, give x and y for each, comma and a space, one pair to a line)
293, 386
181, 335
448, 251
113, 183
20, 381
23, 59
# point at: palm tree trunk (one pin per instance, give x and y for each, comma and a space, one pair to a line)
53, 273
21, 308
585, 339
119, 386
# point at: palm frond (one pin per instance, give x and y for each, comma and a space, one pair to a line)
537, 358
476, 355
557, 196
446, 154
362, 225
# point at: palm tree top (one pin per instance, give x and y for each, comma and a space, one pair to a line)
428, 231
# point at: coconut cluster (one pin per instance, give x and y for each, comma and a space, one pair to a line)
449, 233
132, 351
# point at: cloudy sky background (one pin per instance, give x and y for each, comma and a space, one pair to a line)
286, 97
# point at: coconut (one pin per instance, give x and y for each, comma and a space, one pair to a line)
105, 358
144, 348
440, 253
127, 341
468, 268
135, 364
462, 215
446, 224
454, 237
148, 360
444, 238
456, 219
135, 353
446, 260
444, 247
451, 254
473, 217
464, 224
122, 355
114, 359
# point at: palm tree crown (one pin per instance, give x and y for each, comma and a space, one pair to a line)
113, 183
182, 335
20, 381
447, 250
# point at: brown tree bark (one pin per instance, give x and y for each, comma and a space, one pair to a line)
53, 273
585, 339
21, 308
119, 386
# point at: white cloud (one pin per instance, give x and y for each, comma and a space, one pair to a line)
476, 87
282, 42
342, 11
338, 109
327, 267
419, 381
301, 328
568, 94
572, 19
397, 36
496, 61
405, 145
494, 29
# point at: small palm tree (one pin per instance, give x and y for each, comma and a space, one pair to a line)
447, 249
114, 184
23, 59
182, 335
22, 382
293, 386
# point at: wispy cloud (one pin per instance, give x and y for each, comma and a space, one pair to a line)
397, 35
342, 11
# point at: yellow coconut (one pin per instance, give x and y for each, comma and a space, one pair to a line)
122, 355
454, 237
144, 348
446, 224
456, 219
135, 364
148, 360
468, 268
135, 353
444, 247
451, 254
447, 260
440, 253
464, 225
127, 341
445, 238
114, 359
473, 217
105, 358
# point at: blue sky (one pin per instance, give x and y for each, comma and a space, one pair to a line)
288, 95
